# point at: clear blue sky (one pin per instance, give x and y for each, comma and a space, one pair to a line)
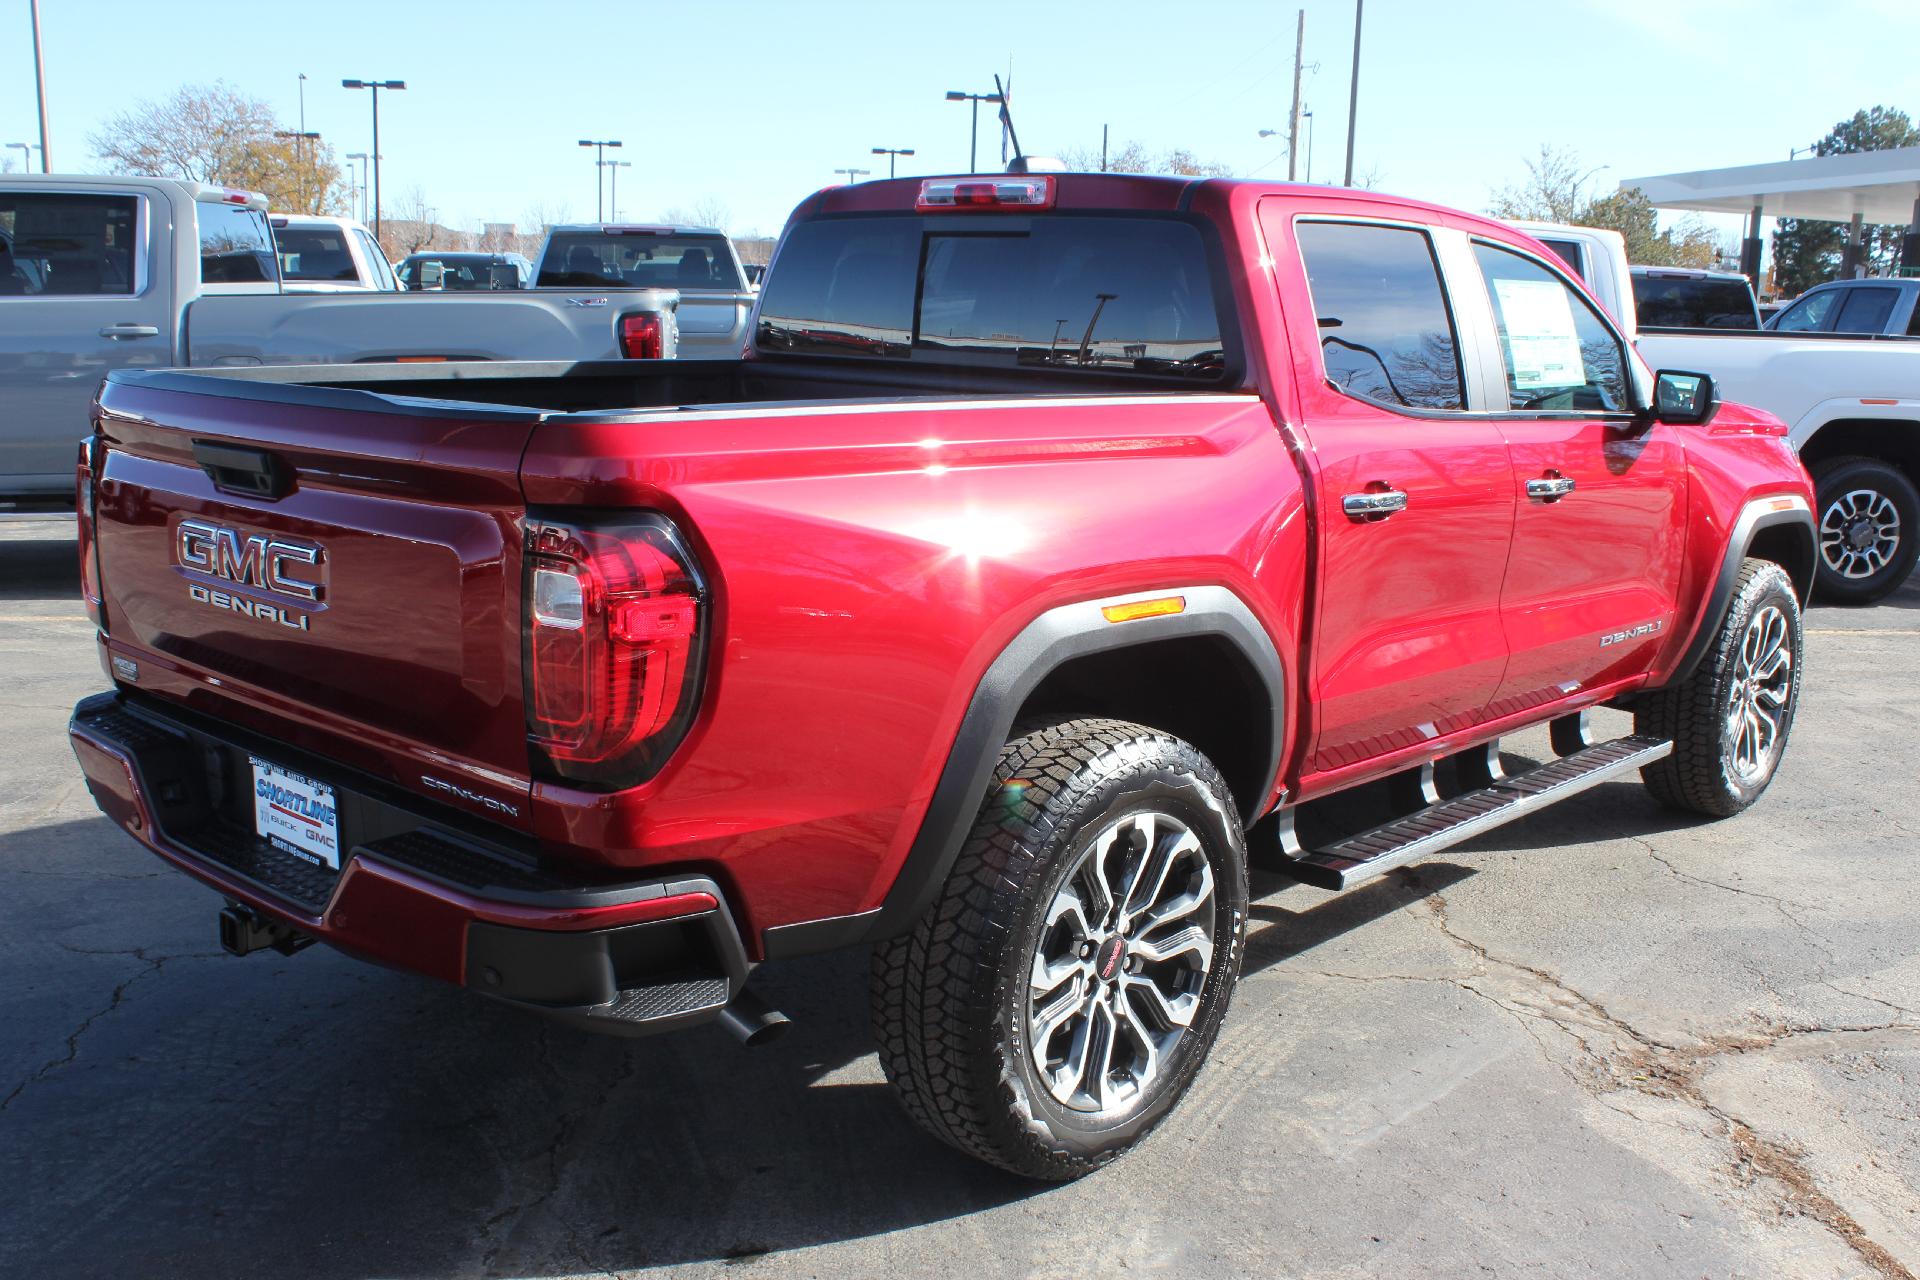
756, 103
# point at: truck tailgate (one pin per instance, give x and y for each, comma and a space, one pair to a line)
364, 607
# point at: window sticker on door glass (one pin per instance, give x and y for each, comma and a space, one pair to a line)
1543, 347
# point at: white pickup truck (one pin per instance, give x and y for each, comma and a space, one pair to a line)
105, 273
1852, 401
321, 254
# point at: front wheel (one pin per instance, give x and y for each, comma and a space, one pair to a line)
1730, 719
1063, 990
1869, 529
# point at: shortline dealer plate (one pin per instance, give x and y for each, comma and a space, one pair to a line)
296, 814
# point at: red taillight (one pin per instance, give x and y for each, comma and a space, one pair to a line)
946, 195
642, 336
83, 525
613, 648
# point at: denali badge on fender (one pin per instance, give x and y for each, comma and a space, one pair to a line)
282, 566
1631, 633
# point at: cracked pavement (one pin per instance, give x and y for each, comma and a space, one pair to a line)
1603, 1041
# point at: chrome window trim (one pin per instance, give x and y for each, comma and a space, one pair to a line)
1639, 377
1430, 233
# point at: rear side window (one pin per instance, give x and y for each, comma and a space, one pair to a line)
1866, 310
63, 245
1568, 252
1116, 294
596, 260
1694, 302
236, 246
1385, 331
315, 253
1559, 354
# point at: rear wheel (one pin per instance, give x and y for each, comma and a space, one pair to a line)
1869, 529
1730, 719
1062, 992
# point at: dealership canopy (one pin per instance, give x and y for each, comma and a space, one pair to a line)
1881, 186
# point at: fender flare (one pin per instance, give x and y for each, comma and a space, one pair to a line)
1054, 638
1756, 515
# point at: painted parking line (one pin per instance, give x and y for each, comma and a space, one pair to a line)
1862, 631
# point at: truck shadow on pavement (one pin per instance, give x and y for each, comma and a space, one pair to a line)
39, 570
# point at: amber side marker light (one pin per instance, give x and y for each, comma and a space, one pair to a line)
1144, 609
1864, 400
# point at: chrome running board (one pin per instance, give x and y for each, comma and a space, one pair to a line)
1438, 826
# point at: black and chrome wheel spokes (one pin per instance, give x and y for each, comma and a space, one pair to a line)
1859, 533
1122, 959
1762, 692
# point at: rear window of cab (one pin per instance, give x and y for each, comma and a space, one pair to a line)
1107, 294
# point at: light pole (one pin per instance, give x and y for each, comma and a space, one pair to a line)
357, 183
26, 154
40, 89
1353, 94
376, 86
613, 183
890, 153
973, 147
854, 175
599, 176
300, 138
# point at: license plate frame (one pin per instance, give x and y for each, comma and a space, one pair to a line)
296, 814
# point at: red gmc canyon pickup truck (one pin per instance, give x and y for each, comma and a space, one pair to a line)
1059, 541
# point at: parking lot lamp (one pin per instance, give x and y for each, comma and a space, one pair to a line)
890, 153
854, 175
599, 175
376, 86
300, 138
357, 184
973, 147
613, 183
26, 154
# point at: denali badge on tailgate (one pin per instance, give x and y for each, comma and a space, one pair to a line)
254, 562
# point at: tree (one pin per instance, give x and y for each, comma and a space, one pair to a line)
1807, 252
1556, 190
413, 225
708, 211
210, 133
1133, 157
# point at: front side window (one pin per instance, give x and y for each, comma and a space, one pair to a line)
376, 261
64, 245
1866, 310
1559, 354
1385, 331
236, 246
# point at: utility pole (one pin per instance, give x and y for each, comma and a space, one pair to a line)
40, 88
1353, 94
1293, 117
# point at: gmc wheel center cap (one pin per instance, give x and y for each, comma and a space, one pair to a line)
1106, 961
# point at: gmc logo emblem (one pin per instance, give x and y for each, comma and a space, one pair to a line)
282, 566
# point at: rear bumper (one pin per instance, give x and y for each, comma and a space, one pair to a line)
413, 891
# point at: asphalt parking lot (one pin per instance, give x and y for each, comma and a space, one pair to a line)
1602, 1041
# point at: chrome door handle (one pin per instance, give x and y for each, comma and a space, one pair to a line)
117, 331
1376, 504
1549, 488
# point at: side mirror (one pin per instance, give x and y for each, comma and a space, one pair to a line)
1683, 399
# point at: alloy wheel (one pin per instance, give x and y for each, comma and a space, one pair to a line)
1859, 533
1122, 960
1761, 695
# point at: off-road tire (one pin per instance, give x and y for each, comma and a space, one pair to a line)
950, 998
1700, 776
1837, 477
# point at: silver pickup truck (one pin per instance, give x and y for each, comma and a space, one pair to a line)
699, 262
104, 273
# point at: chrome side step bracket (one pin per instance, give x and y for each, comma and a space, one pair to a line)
1360, 858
